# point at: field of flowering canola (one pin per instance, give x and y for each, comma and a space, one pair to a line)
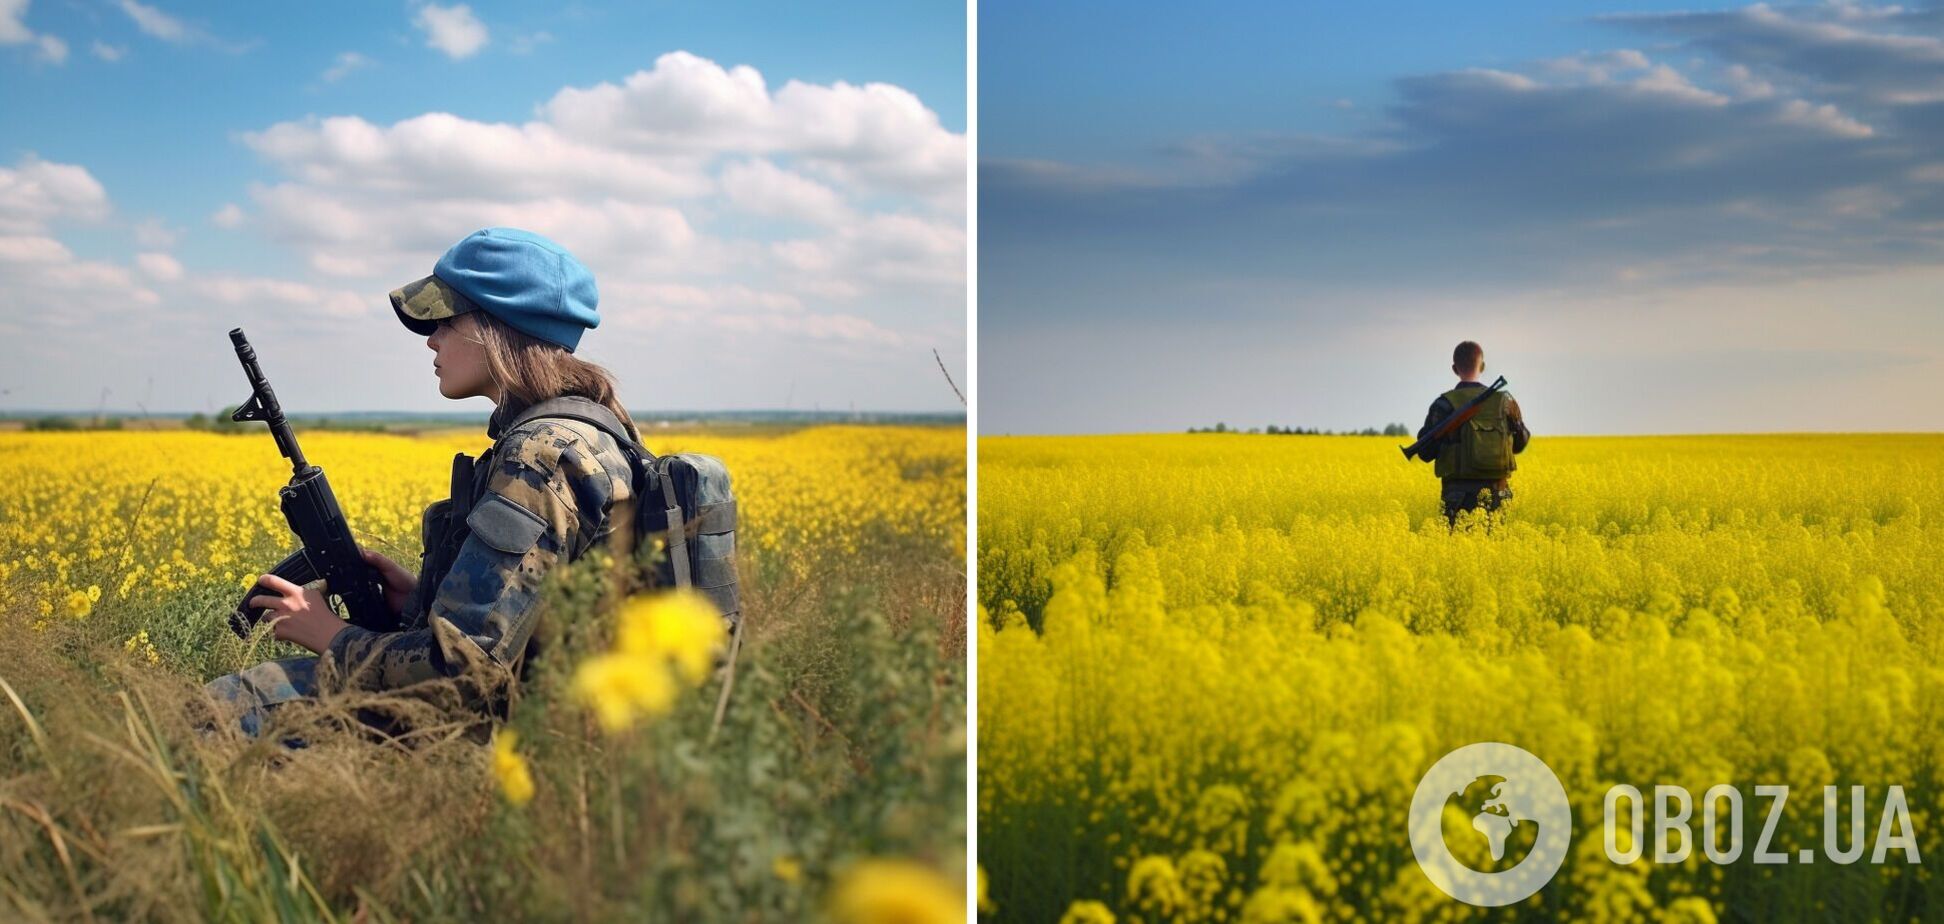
136, 519
1212, 668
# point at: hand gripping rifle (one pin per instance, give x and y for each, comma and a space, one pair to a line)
328, 552
1456, 420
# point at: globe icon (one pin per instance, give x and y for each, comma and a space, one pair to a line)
1499, 814
1490, 824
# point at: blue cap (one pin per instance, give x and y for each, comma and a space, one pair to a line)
519, 277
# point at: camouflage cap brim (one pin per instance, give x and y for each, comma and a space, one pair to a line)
423, 304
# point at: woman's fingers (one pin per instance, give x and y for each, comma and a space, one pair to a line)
391, 570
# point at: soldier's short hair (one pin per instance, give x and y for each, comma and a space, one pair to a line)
1468, 355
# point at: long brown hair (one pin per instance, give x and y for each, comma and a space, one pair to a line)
529, 370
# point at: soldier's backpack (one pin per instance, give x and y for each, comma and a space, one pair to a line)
683, 498
1482, 448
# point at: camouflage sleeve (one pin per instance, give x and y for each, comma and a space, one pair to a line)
487, 605
1520, 435
1440, 409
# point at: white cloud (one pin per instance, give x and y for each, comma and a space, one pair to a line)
159, 265
741, 310
156, 235
761, 188
1826, 118
12, 30
876, 133
107, 52
38, 192
346, 63
154, 22
1596, 67
637, 177
282, 294
229, 216
38, 269
1745, 84
452, 29
1667, 81
438, 153
32, 248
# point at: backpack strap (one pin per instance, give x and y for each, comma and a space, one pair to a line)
576, 407
678, 557
586, 410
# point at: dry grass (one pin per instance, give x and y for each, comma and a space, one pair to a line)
845, 740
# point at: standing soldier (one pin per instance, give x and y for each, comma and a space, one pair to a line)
1474, 462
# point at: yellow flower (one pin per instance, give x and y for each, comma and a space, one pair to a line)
139, 644
515, 778
623, 688
681, 626
985, 904
787, 869
665, 642
1087, 912
896, 892
78, 604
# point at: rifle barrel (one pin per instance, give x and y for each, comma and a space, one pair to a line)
263, 404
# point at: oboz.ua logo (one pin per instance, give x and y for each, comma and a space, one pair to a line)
1513, 825
1520, 819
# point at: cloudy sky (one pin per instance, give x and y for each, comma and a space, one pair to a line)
1656, 218
771, 196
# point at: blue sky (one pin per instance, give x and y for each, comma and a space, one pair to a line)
805, 240
1656, 217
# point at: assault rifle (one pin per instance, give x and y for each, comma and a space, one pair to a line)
1457, 419
328, 550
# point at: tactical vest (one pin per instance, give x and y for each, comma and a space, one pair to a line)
684, 498
1481, 448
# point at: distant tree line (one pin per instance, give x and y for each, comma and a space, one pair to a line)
57, 422
220, 422
1396, 429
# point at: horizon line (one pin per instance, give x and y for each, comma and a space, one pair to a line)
1702, 433
7, 413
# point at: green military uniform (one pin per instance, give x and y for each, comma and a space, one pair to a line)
1469, 476
548, 490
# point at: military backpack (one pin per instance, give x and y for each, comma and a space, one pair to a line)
1481, 448
684, 499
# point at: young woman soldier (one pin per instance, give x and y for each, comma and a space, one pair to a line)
502, 313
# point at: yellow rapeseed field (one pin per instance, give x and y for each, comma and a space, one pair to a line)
1212, 668
139, 517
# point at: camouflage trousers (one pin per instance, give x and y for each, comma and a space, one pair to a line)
262, 687
1459, 495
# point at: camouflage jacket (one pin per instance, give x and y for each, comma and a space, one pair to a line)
551, 488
